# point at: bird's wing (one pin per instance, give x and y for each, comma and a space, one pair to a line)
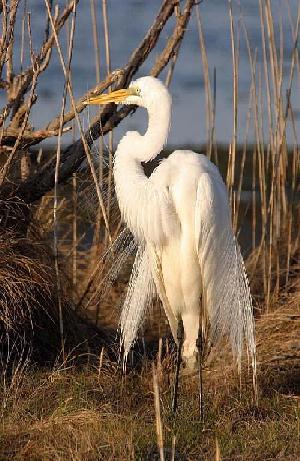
140, 292
226, 293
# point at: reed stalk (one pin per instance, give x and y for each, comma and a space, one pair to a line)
83, 138
110, 135
159, 425
208, 96
57, 166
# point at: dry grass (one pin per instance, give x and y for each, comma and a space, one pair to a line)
94, 413
26, 280
29, 309
28, 296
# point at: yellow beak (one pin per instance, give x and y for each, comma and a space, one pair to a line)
117, 97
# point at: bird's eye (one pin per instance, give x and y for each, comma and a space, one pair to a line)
138, 91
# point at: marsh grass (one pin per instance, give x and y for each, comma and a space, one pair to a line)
81, 414
94, 412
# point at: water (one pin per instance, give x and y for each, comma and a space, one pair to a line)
128, 22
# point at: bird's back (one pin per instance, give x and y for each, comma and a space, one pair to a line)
179, 176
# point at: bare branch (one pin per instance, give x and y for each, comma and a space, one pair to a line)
10, 135
120, 77
137, 58
160, 63
8, 33
21, 82
73, 156
141, 53
7, 165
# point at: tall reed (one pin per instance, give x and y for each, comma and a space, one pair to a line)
273, 158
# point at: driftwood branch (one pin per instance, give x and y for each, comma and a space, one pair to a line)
123, 76
21, 82
28, 135
72, 157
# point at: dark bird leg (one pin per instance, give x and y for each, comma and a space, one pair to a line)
180, 337
199, 344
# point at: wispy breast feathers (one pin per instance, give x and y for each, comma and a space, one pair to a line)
140, 293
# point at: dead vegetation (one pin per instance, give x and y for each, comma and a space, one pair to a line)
29, 305
96, 413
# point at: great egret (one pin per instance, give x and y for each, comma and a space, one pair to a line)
180, 218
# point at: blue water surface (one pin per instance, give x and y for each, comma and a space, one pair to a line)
128, 22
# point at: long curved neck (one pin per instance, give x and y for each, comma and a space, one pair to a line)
142, 148
159, 117
135, 192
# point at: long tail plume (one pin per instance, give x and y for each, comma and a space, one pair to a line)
140, 293
226, 293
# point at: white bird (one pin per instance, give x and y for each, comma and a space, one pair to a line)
180, 218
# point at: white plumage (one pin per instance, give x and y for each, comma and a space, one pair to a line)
180, 219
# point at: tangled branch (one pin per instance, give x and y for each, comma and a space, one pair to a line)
71, 158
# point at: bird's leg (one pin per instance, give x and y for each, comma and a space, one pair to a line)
199, 344
180, 337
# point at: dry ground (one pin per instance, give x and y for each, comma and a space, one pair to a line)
92, 412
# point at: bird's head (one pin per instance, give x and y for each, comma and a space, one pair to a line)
143, 92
